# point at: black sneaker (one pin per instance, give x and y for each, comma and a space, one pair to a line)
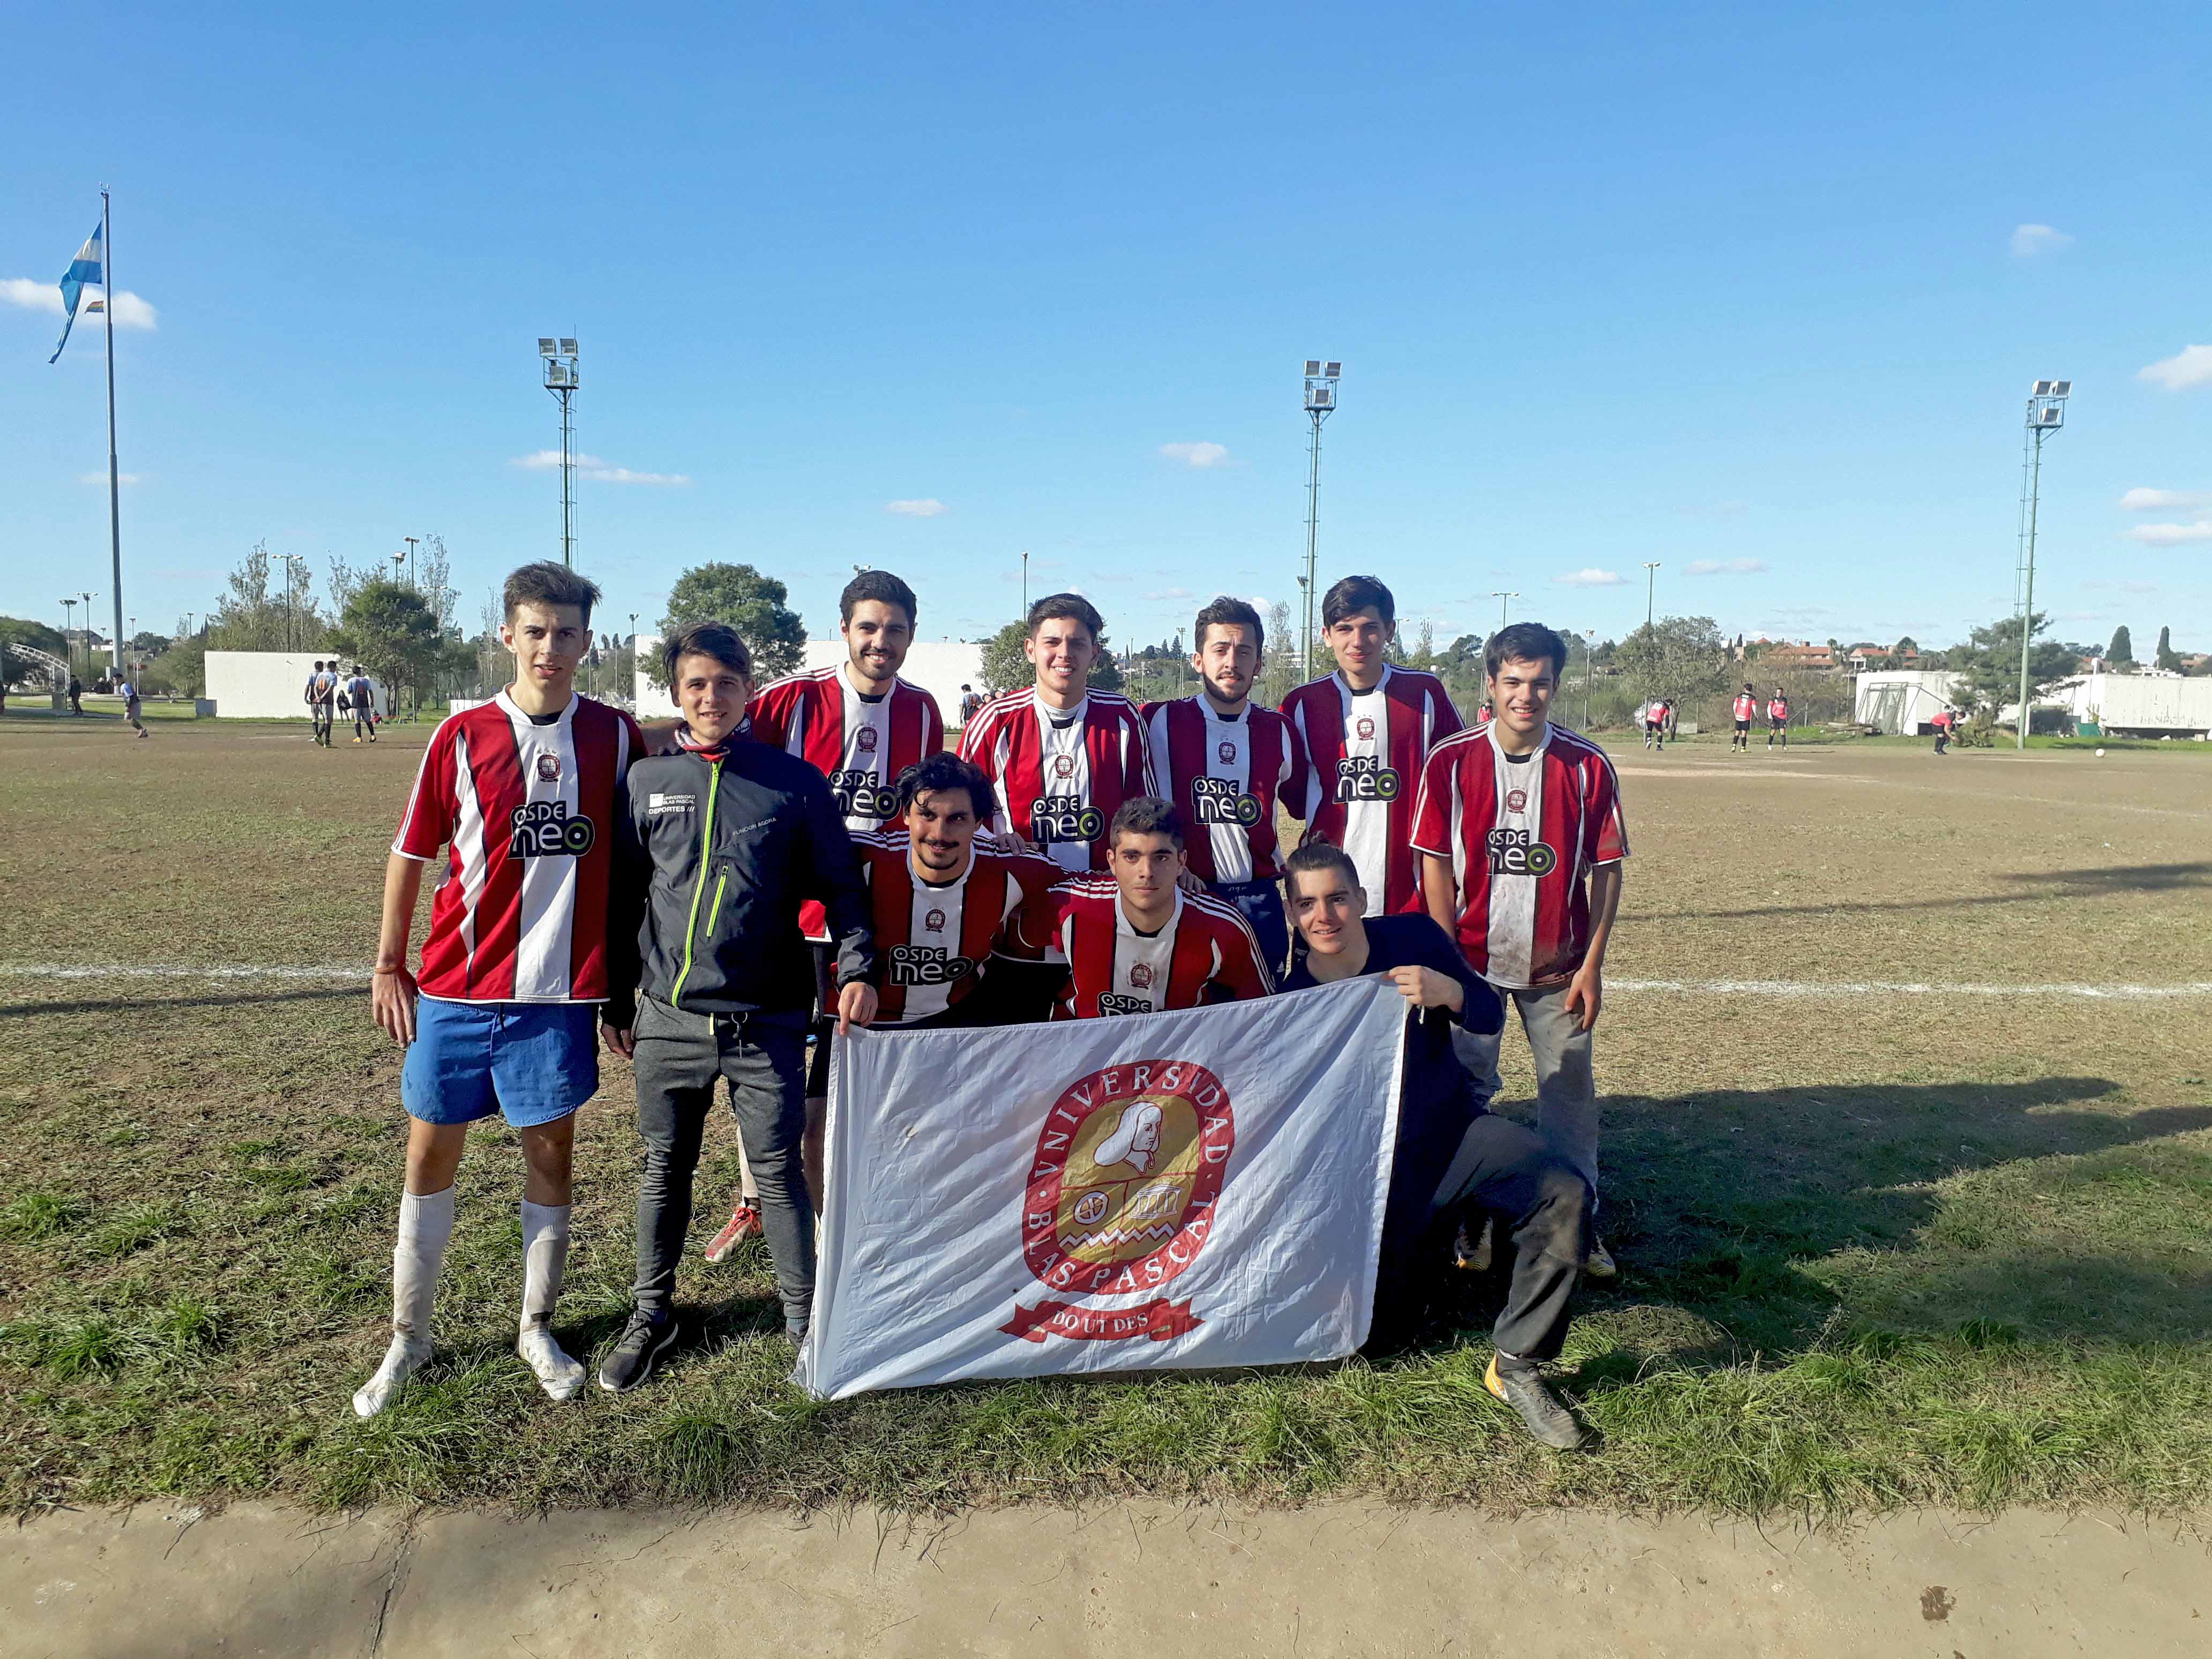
1546, 1418
644, 1339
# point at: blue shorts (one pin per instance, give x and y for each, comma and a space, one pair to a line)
534, 1062
1262, 903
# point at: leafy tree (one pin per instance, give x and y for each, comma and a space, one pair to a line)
16, 669
181, 671
390, 631
249, 617
1907, 644
1279, 670
1677, 656
750, 603
2121, 652
143, 644
2167, 658
1988, 665
1007, 667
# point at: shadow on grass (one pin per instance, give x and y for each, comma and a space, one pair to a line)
1759, 1222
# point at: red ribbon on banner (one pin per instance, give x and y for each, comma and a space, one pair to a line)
1157, 1320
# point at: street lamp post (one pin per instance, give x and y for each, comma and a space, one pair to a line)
1321, 377
2046, 413
85, 600
68, 632
1590, 640
1503, 599
410, 541
1025, 586
1650, 589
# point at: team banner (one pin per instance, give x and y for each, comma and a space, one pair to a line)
1152, 1191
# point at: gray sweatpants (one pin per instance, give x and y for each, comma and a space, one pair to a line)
1566, 1086
679, 1056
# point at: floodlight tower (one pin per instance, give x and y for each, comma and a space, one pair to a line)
1503, 599
1320, 403
560, 356
69, 628
2046, 413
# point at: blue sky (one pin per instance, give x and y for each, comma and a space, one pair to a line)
1741, 289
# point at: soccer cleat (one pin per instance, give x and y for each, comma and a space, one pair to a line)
1474, 1257
744, 1222
1546, 1418
643, 1340
558, 1375
401, 1361
1599, 1263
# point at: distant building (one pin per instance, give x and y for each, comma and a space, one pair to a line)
1805, 655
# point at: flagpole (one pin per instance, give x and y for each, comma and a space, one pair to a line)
114, 492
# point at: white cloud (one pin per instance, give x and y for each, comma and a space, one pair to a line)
2150, 501
131, 311
1591, 576
2029, 240
1731, 568
2187, 369
927, 507
101, 477
1197, 454
592, 467
1170, 593
2172, 535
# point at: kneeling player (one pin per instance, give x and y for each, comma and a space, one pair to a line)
1134, 941
942, 906
1453, 1154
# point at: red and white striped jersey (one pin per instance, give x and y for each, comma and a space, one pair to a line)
527, 812
1061, 774
932, 941
860, 746
1746, 705
1225, 777
1114, 970
1364, 751
1520, 837
1777, 709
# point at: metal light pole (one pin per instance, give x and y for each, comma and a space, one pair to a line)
410, 541
1503, 599
1650, 589
68, 632
399, 563
2046, 413
85, 600
1320, 403
561, 380
1590, 640
1025, 586
291, 559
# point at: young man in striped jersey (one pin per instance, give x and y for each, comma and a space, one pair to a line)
523, 792
1063, 757
1365, 730
860, 725
1519, 829
943, 905
1134, 941
1225, 764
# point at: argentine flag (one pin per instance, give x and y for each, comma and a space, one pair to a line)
84, 269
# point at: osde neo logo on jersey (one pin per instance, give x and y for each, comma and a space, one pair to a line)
926, 965
1217, 800
543, 830
1363, 777
1517, 852
860, 795
1062, 818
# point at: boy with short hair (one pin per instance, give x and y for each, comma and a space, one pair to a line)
719, 843
1135, 941
1063, 757
1225, 762
1364, 730
1519, 828
361, 701
521, 792
131, 713
1747, 705
1777, 720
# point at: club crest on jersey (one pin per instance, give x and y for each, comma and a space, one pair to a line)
866, 739
549, 768
927, 965
1224, 751
1120, 1198
934, 922
543, 830
1365, 728
1363, 777
1219, 801
1140, 975
1516, 800
1063, 766
1517, 852
1062, 818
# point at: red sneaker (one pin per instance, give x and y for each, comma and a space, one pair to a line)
743, 1224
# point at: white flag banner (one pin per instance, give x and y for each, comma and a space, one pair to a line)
1146, 1192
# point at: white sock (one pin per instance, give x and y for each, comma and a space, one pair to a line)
426, 1224
544, 1263
746, 1191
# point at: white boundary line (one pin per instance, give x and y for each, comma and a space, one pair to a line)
1708, 987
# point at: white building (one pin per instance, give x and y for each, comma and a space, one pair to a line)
939, 667
2140, 705
262, 685
1903, 700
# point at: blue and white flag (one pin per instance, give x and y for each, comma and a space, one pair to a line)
83, 269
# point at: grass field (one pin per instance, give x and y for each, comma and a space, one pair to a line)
1879, 1247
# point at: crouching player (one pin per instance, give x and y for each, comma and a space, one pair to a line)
522, 793
1133, 942
1452, 1153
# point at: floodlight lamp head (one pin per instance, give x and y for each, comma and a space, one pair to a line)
2062, 389
1313, 367
1330, 371
1321, 399
545, 345
567, 347
2040, 389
